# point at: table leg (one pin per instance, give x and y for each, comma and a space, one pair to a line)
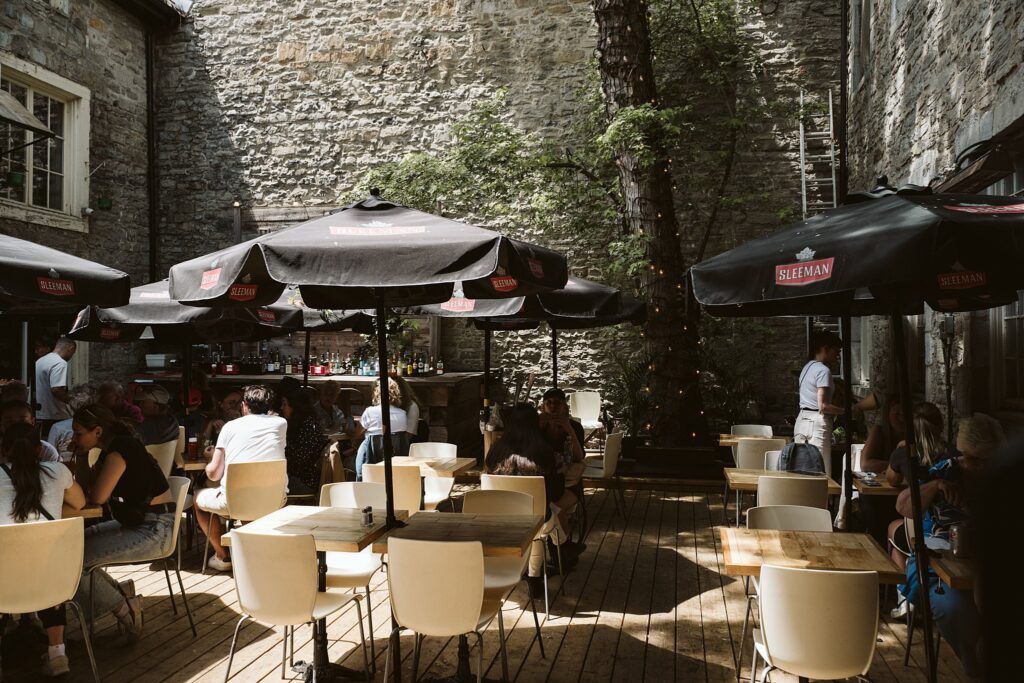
326, 670
462, 673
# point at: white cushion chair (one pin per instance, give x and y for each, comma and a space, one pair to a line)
172, 552
436, 489
355, 570
253, 490
40, 567
585, 406
809, 491
163, 453
275, 579
771, 460
817, 624
534, 487
750, 455
433, 450
503, 574
437, 589
405, 479
605, 467
750, 430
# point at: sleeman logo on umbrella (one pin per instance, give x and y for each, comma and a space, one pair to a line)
55, 285
805, 272
376, 228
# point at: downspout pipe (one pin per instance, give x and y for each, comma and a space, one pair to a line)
152, 180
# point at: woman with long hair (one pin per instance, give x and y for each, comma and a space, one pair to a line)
931, 446
33, 491
884, 436
371, 424
131, 484
413, 407
304, 444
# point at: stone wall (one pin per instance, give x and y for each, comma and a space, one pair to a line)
98, 45
928, 80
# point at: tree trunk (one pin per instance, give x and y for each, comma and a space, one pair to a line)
627, 79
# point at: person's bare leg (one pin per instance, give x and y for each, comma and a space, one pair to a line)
210, 524
899, 558
565, 504
55, 635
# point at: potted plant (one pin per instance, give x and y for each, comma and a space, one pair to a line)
629, 394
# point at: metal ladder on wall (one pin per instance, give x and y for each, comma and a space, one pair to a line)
817, 163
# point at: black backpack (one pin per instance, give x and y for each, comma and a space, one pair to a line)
801, 458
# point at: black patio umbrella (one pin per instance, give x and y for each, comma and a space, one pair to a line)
371, 254
887, 254
36, 279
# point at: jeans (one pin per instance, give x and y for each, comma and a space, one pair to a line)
954, 613
817, 430
110, 542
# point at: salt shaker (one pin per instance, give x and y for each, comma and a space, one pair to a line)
367, 516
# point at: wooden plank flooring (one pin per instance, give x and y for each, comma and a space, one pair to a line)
647, 601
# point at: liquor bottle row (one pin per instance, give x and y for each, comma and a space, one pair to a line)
324, 364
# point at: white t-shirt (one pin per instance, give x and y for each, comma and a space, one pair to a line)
252, 438
53, 492
412, 419
48, 453
51, 372
371, 420
60, 438
814, 376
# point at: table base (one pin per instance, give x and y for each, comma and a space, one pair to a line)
331, 672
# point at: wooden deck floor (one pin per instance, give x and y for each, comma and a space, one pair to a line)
647, 602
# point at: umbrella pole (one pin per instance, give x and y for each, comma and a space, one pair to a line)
554, 358
487, 372
846, 325
385, 415
305, 363
913, 479
186, 387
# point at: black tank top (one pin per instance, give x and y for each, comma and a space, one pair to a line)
142, 481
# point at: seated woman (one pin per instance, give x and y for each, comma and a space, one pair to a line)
304, 444
946, 498
33, 491
413, 408
61, 434
371, 424
130, 482
524, 450
883, 437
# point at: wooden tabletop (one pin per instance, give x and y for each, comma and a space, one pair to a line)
734, 439
443, 467
746, 550
501, 535
955, 572
194, 465
882, 490
87, 512
746, 480
333, 529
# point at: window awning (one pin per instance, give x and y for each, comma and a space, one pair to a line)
13, 111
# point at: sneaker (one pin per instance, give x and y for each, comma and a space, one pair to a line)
56, 666
131, 625
218, 564
127, 588
900, 610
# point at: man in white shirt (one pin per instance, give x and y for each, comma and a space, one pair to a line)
13, 412
52, 385
255, 437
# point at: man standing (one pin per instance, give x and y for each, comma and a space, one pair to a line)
52, 385
254, 437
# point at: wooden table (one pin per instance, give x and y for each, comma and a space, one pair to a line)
882, 490
744, 480
734, 439
746, 550
954, 572
87, 512
501, 536
194, 465
443, 467
333, 529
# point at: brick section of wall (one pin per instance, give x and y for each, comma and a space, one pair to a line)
100, 46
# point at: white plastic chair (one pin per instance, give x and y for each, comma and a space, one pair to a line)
585, 406
606, 467
355, 570
807, 490
93, 456
782, 518
179, 449
534, 487
276, 583
855, 453
252, 490
436, 490
751, 430
503, 574
800, 632
433, 450
179, 494
405, 479
771, 460
437, 589
750, 455
40, 567
163, 453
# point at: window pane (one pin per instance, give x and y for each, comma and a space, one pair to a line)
39, 188
56, 191
41, 154
56, 117
57, 156
19, 92
40, 107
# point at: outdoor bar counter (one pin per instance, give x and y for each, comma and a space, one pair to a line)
452, 399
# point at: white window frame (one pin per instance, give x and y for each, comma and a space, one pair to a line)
861, 45
76, 146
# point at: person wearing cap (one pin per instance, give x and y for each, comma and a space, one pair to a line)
158, 425
947, 497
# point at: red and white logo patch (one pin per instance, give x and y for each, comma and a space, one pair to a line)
962, 279
459, 304
377, 230
55, 286
987, 209
804, 273
210, 279
266, 316
110, 333
504, 283
242, 292
536, 267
